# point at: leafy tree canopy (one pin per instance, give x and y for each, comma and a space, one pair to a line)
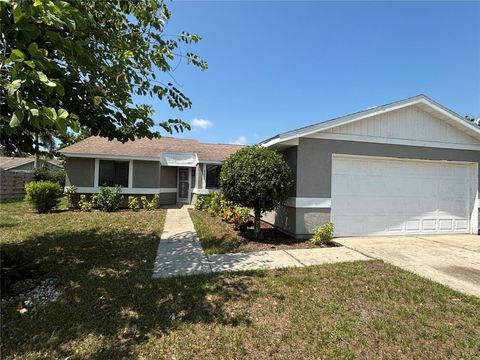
77, 63
257, 178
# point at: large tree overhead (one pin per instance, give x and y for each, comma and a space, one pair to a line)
257, 178
78, 63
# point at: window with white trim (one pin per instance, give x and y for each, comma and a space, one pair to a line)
213, 176
112, 173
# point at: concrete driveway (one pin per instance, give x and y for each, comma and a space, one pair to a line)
452, 260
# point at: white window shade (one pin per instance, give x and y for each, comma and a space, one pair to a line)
178, 159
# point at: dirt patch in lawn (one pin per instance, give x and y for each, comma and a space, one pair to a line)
219, 237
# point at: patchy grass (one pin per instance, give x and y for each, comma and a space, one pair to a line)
219, 237
112, 309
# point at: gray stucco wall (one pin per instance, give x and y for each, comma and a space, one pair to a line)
80, 171
315, 160
146, 174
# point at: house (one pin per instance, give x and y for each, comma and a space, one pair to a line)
27, 163
177, 169
409, 167
15, 172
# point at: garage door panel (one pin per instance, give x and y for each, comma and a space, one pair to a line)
373, 196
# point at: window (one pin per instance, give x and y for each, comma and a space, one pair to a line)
213, 176
113, 173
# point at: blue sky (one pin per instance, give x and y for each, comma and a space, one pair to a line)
275, 66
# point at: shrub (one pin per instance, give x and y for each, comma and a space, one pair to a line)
69, 192
95, 201
84, 204
44, 174
152, 205
15, 266
202, 202
109, 198
43, 195
133, 203
257, 178
215, 204
241, 218
323, 234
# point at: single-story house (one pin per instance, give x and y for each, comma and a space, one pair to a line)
409, 167
177, 169
27, 163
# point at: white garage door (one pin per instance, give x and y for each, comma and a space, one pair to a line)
378, 196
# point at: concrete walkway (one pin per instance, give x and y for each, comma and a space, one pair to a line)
180, 253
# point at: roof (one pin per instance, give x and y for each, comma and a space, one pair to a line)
421, 99
148, 149
8, 163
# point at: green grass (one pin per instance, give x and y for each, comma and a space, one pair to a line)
216, 236
112, 309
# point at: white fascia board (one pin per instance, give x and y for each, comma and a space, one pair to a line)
112, 157
204, 191
309, 203
211, 162
175, 158
131, 191
344, 120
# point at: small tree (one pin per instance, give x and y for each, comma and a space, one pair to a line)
257, 178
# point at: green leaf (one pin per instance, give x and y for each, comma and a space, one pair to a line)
30, 63
97, 100
42, 77
14, 86
17, 13
60, 89
16, 119
62, 113
17, 55
37, 3
33, 49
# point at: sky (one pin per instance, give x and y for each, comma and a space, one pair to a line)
277, 65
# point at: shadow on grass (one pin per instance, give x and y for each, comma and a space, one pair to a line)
109, 293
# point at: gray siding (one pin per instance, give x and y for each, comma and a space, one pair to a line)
315, 160
168, 177
80, 171
146, 174
167, 198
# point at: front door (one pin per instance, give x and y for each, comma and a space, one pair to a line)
183, 185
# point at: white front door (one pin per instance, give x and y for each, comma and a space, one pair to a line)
379, 196
183, 185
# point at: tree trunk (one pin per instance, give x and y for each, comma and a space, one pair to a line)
36, 164
256, 228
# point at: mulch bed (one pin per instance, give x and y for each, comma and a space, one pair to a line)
274, 239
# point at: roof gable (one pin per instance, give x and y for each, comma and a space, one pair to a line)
417, 119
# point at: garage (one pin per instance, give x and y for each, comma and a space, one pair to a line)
389, 196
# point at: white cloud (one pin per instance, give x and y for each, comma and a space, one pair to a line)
241, 140
201, 123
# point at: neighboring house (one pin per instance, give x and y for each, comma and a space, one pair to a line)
177, 169
15, 172
27, 163
409, 167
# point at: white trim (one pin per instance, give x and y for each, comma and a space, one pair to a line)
112, 157
204, 175
135, 191
204, 191
309, 202
394, 158
421, 99
130, 174
96, 173
393, 141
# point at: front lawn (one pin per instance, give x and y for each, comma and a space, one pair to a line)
220, 237
111, 308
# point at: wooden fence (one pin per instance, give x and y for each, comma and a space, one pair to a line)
12, 184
